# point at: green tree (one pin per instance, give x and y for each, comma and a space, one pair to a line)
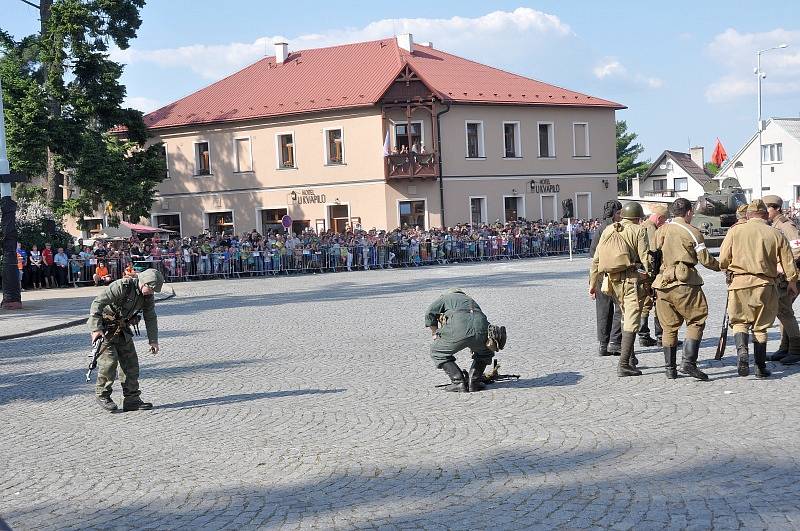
62, 95
627, 154
712, 168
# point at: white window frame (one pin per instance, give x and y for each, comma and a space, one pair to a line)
555, 206
517, 140
551, 140
197, 159
481, 144
767, 149
503, 207
407, 199
394, 132
166, 158
154, 216
653, 184
484, 208
675, 186
278, 164
236, 154
326, 161
588, 204
219, 211
586, 139
258, 210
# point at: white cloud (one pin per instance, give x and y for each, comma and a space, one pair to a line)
611, 68
500, 31
142, 104
735, 53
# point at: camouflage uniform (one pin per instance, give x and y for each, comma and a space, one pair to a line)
123, 299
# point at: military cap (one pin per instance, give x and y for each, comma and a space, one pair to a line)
152, 278
773, 200
741, 212
658, 210
757, 205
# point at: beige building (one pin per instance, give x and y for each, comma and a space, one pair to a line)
379, 134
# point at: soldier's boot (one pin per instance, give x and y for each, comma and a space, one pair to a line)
742, 354
458, 382
670, 356
624, 368
475, 376
760, 355
106, 403
136, 405
614, 349
783, 349
644, 334
691, 349
793, 354
603, 350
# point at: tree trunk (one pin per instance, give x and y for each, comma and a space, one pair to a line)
53, 109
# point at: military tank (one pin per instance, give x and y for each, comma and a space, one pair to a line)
715, 211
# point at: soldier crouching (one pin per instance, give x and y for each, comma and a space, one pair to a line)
112, 314
464, 325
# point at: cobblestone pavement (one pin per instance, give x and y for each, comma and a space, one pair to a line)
309, 402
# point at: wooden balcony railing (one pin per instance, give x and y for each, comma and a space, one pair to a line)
660, 193
410, 165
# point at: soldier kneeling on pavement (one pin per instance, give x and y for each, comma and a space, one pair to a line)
112, 314
464, 325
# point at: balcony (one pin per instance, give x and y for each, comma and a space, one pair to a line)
411, 165
660, 193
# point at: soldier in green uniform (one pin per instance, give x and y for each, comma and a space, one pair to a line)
464, 325
116, 307
656, 219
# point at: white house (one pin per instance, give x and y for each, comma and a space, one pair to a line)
673, 175
780, 159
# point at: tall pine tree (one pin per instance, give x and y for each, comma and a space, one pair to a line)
62, 95
627, 154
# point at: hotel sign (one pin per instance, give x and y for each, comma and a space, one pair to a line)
307, 197
543, 186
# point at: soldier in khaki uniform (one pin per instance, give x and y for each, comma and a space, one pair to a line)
120, 302
625, 285
789, 350
679, 291
752, 253
656, 219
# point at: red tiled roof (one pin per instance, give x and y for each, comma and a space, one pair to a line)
354, 75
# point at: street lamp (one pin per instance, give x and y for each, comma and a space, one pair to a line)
761, 75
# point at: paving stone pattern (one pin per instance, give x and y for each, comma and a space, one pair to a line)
309, 402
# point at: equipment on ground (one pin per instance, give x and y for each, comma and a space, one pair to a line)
723, 336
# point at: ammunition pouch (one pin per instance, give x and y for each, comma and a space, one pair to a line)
682, 272
496, 338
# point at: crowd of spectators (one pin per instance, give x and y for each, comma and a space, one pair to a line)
99, 262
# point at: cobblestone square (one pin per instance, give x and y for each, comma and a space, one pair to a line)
309, 402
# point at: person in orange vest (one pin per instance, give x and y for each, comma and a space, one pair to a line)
101, 274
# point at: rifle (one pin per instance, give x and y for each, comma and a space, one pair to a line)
101, 344
495, 376
723, 336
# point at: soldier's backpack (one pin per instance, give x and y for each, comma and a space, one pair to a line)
613, 254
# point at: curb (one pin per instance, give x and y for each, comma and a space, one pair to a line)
68, 324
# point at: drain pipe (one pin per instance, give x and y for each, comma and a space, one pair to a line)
439, 145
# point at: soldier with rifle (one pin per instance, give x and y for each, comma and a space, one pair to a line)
752, 252
679, 288
113, 314
464, 325
789, 351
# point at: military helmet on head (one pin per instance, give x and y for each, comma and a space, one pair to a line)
632, 210
152, 278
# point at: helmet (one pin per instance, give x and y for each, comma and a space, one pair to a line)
632, 210
152, 278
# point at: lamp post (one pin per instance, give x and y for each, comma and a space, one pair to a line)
761, 75
12, 299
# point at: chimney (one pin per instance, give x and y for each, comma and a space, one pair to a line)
405, 41
697, 155
281, 52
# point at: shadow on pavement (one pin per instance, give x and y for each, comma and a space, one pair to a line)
557, 379
245, 397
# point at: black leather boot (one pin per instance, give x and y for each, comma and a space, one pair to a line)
614, 349
106, 403
475, 376
760, 355
458, 382
691, 349
624, 368
670, 355
136, 405
603, 350
742, 353
792, 355
644, 334
783, 349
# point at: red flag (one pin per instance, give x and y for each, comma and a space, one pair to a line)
719, 155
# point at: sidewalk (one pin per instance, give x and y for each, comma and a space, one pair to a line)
47, 307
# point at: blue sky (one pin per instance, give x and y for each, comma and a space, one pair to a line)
683, 68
